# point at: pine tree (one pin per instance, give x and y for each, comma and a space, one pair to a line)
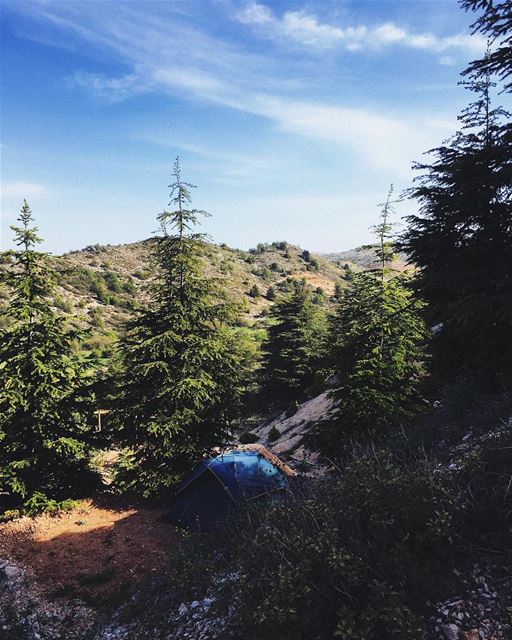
180, 390
45, 389
461, 240
294, 344
377, 339
496, 23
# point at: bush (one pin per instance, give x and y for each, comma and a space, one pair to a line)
142, 274
247, 437
364, 554
266, 273
63, 305
96, 317
292, 408
100, 291
112, 281
357, 556
274, 434
129, 287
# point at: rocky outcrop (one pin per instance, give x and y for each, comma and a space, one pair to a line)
291, 429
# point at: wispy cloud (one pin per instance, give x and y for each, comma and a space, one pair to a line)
21, 190
162, 55
222, 165
306, 30
380, 141
294, 25
111, 89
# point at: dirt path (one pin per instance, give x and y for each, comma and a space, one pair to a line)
93, 552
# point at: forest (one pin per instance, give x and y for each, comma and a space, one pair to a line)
400, 523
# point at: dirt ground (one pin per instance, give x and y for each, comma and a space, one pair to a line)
92, 552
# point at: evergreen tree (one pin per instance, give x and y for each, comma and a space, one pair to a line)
461, 240
496, 23
376, 339
45, 389
294, 344
181, 385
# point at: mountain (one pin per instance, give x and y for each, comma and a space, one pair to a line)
101, 286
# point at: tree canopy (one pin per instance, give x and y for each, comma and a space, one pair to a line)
46, 399
182, 379
461, 240
294, 344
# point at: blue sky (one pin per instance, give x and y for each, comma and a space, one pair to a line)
291, 117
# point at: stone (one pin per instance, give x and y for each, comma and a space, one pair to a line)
11, 572
450, 631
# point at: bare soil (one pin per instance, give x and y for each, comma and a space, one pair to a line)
92, 552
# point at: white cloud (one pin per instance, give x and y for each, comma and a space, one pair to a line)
305, 29
382, 141
308, 31
110, 89
255, 14
389, 34
21, 190
164, 56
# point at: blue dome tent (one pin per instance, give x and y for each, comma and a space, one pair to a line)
218, 485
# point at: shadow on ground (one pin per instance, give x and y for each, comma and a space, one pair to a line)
97, 552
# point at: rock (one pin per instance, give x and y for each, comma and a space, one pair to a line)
450, 631
10, 571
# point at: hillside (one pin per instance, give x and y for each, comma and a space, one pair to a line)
101, 286
365, 258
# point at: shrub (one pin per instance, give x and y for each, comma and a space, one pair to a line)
63, 305
266, 273
357, 556
274, 434
247, 437
112, 281
292, 408
97, 317
129, 287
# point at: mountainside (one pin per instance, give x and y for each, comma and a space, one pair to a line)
365, 258
101, 286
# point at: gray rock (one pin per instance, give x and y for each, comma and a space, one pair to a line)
11, 572
450, 631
